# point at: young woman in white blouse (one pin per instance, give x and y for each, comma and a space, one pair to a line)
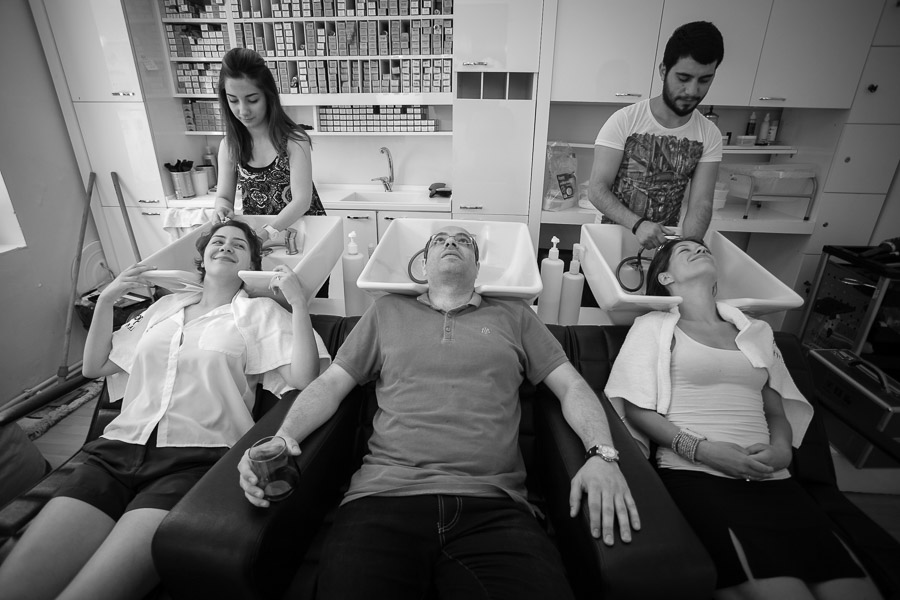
709, 387
193, 361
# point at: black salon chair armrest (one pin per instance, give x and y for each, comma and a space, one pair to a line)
215, 544
664, 559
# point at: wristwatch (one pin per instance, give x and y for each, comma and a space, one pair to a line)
607, 453
273, 233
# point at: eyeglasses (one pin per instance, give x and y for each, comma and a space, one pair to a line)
461, 239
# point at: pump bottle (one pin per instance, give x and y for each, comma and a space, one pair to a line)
762, 136
210, 158
551, 278
572, 289
352, 262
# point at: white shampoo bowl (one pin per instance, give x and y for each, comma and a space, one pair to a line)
319, 244
743, 282
508, 262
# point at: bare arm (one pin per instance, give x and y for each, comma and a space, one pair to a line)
316, 404
226, 184
304, 365
777, 453
603, 175
699, 209
99, 339
301, 185
608, 495
725, 457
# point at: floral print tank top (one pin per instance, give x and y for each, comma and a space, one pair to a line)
267, 190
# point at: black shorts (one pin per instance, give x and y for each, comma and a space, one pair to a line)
782, 531
118, 477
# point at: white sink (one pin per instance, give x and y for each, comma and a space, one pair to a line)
743, 282
383, 197
373, 197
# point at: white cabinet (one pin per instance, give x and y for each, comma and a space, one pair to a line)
865, 159
148, 233
743, 26
814, 52
878, 94
888, 32
844, 220
605, 50
95, 50
492, 148
497, 35
117, 138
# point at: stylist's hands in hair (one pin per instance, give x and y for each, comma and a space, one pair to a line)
608, 499
129, 279
223, 214
652, 235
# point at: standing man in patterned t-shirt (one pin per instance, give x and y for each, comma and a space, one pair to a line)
647, 153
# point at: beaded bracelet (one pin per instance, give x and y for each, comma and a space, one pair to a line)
685, 445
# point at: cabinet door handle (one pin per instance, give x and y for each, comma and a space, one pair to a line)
358, 218
150, 213
474, 63
388, 218
471, 207
772, 98
148, 201
123, 93
627, 94
872, 88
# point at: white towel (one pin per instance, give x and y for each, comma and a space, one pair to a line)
180, 221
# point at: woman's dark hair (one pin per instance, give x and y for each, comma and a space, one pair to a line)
243, 63
252, 239
660, 264
699, 40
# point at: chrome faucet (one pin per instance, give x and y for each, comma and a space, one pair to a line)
388, 181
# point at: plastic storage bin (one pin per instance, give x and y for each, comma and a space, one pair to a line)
742, 281
319, 246
508, 262
765, 183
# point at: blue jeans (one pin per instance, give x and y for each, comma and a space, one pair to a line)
459, 546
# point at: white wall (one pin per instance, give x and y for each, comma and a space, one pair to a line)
42, 178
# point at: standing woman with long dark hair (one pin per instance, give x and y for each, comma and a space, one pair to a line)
264, 150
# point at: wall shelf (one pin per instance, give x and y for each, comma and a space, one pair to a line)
739, 150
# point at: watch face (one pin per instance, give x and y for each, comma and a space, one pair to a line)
608, 453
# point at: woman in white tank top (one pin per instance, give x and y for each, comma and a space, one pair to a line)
725, 443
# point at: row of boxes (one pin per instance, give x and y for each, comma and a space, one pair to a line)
376, 118
364, 76
348, 38
194, 9
206, 40
268, 9
197, 78
202, 115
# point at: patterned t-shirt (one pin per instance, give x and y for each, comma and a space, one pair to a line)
267, 190
658, 162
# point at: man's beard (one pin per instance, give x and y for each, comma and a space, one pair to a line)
671, 103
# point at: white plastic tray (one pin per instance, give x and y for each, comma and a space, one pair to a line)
743, 282
508, 262
320, 248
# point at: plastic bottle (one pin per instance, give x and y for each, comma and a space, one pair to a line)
551, 277
572, 289
210, 158
773, 131
762, 136
355, 300
751, 125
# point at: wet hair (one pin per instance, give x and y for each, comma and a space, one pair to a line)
660, 264
700, 40
243, 63
252, 239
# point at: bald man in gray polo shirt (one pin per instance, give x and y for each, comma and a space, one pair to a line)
439, 500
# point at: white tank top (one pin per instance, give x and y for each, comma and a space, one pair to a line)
716, 393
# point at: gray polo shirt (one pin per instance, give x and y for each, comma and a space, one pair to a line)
447, 388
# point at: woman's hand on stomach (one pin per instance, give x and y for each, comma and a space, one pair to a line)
733, 460
775, 456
